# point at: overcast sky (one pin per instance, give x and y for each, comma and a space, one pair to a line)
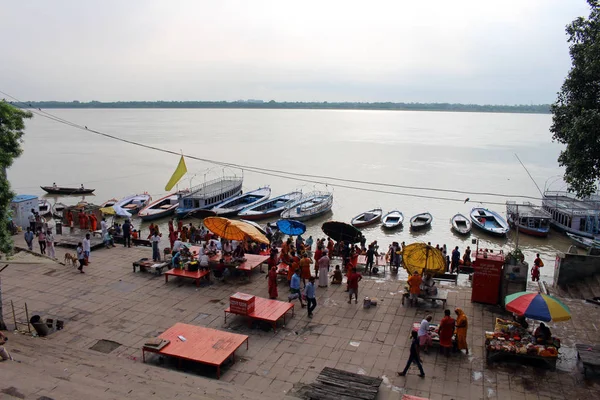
500, 52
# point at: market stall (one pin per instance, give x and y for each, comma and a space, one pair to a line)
510, 340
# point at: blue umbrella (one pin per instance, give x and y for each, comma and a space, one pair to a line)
291, 227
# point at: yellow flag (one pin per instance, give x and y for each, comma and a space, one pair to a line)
177, 175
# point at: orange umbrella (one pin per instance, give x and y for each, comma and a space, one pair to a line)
234, 230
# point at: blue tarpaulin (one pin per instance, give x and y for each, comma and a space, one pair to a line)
291, 227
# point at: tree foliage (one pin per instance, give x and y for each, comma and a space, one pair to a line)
11, 137
576, 113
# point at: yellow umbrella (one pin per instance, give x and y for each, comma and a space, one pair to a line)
421, 257
234, 230
108, 210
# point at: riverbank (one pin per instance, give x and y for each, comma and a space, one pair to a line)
110, 302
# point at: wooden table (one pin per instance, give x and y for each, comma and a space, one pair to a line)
442, 295
379, 261
203, 345
155, 267
196, 275
267, 310
589, 356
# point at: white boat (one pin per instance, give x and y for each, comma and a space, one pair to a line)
367, 218
572, 214
131, 205
583, 242
233, 206
208, 195
461, 224
309, 206
393, 219
160, 208
58, 210
421, 221
270, 207
489, 221
44, 207
109, 203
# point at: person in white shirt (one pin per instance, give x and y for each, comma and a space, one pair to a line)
234, 244
227, 249
104, 227
155, 250
423, 334
87, 248
212, 246
31, 219
50, 244
204, 261
176, 245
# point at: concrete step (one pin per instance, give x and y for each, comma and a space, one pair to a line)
45, 369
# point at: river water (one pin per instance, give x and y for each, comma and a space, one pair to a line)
471, 152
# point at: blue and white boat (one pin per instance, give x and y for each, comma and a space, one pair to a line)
489, 221
310, 205
209, 194
233, 206
270, 207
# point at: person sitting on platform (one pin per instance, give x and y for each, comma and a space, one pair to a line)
428, 286
542, 334
108, 240
176, 246
239, 253
227, 248
212, 247
337, 277
135, 234
176, 260
222, 271
204, 260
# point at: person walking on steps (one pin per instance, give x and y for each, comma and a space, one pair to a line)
29, 238
414, 356
311, 299
295, 287
50, 244
127, 234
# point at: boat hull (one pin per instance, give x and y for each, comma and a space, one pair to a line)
421, 221
310, 206
392, 220
500, 227
158, 215
66, 191
375, 215
533, 232
257, 217
459, 228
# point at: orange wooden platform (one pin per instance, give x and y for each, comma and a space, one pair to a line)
196, 275
203, 345
267, 310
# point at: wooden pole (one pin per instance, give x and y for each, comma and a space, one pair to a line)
27, 316
14, 316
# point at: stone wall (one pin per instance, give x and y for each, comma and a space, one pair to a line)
574, 267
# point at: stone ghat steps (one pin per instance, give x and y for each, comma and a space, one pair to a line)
584, 289
45, 369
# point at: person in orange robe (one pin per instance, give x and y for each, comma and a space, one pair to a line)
285, 253
330, 246
179, 225
305, 268
318, 255
446, 330
414, 282
171, 229
93, 222
70, 218
272, 277
295, 261
461, 330
82, 219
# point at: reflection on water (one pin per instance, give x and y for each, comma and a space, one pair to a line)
471, 152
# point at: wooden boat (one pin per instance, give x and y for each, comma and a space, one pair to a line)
58, 210
209, 194
461, 224
421, 221
310, 205
393, 219
367, 218
583, 242
270, 207
160, 208
232, 207
109, 203
528, 218
66, 190
131, 205
44, 207
489, 221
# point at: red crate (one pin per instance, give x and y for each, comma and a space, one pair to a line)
241, 303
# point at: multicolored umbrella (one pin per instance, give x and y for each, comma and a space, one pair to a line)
537, 306
291, 227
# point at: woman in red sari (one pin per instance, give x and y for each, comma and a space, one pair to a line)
446, 330
272, 277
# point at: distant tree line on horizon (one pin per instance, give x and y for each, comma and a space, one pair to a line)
520, 108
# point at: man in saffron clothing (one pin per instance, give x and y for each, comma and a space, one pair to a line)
414, 283
446, 330
461, 330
